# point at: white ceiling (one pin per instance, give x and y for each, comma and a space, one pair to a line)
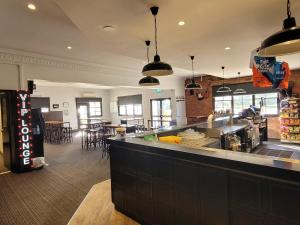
210, 26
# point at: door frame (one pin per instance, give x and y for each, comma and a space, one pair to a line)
1, 130
10, 153
160, 99
85, 101
78, 114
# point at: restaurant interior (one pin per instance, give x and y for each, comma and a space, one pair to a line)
134, 112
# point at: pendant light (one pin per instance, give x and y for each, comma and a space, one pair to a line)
156, 68
193, 85
285, 41
239, 90
148, 80
223, 88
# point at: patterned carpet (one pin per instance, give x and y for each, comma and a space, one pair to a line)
2, 167
51, 196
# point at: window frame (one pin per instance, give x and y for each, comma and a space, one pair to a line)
86, 101
47, 99
231, 101
253, 102
126, 113
278, 104
89, 109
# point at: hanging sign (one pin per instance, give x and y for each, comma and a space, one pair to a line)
24, 129
267, 72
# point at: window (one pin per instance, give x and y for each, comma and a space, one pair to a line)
44, 110
95, 109
241, 102
88, 110
130, 105
122, 110
41, 102
223, 103
138, 109
161, 112
264, 98
130, 110
267, 102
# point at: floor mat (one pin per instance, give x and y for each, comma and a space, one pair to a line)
275, 153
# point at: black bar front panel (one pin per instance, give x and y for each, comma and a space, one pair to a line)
157, 189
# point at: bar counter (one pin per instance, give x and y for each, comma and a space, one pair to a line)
165, 184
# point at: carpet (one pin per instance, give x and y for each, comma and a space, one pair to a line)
50, 196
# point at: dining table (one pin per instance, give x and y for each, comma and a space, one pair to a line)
112, 127
94, 124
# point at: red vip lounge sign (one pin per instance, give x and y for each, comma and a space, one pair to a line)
24, 129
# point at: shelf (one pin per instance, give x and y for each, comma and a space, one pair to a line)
283, 132
289, 120
289, 141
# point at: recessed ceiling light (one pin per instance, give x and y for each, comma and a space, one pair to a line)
181, 23
69, 47
31, 6
109, 28
227, 48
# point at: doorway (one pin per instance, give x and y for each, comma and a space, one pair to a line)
89, 110
4, 135
161, 112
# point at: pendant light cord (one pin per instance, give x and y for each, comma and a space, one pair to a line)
148, 53
289, 9
223, 67
193, 68
147, 45
155, 34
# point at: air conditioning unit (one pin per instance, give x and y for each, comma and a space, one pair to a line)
89, 95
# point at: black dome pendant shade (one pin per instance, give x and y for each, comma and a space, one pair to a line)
156, 68
286, 41
148, 80
193, 85
239, 91
223, 89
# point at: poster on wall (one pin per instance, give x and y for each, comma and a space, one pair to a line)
267, 72
24, 130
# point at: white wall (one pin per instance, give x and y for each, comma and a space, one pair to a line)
9, 77
59, 95
147, 94
16, 67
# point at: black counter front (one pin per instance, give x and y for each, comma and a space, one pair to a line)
162, 184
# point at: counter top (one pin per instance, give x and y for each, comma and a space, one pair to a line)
232, 128
180, 185
284, 168
239, 158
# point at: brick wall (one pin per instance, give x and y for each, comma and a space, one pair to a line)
196, 108
204, 107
